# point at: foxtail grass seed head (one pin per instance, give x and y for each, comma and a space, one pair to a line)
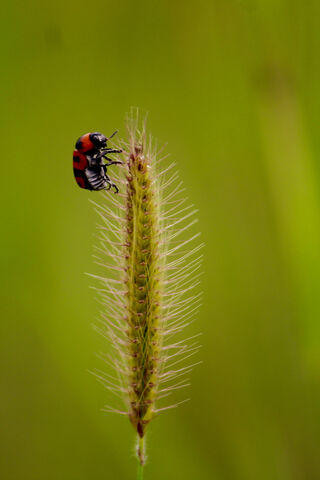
149, 287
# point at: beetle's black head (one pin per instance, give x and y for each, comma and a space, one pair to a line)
98, 139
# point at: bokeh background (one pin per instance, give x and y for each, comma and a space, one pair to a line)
233, 87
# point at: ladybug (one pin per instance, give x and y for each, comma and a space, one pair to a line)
89, 168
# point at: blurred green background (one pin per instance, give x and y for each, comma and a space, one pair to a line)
233, 87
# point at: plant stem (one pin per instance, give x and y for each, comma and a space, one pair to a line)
140, 455
140, 472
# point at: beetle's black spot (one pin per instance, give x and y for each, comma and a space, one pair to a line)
78, 173
79, 144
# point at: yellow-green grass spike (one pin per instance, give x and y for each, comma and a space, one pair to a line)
152, 267
144, 288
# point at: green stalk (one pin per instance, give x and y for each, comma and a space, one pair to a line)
141, 457
140, 472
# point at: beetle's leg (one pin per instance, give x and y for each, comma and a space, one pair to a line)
108, 180
106, 151
99, 155
112, 150
111, 162
115, 187
103, 154
110, 184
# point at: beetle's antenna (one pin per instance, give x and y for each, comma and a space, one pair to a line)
112, 135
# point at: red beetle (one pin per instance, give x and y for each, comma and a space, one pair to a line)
89, 168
